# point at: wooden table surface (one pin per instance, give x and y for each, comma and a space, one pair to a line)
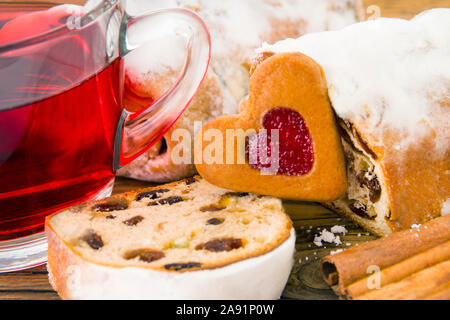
305, 281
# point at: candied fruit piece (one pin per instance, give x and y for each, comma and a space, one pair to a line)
182, 242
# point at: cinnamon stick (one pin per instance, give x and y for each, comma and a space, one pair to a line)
442, 294
402, 269
351, 265
417, 286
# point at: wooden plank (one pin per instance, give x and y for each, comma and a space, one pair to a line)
18, 281
30, 284
305, 281
404, 8
124, 185
29, 295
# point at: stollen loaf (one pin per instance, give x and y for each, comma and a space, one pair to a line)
237, 28
389, 85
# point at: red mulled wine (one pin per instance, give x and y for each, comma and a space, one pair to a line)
57, 122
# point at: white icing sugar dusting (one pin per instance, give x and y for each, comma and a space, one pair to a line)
445, 207
387, 72
320, 15
238, 27
245, 24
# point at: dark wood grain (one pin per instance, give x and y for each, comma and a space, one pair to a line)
305, 281
123, 185
31, 284
22, 281
28, 295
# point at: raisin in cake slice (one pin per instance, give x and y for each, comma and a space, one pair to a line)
184, 240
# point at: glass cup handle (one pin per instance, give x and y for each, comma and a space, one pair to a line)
138, 131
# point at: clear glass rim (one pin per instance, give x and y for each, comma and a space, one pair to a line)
85, 19
23, 253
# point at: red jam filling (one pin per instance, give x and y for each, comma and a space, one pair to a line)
296, 154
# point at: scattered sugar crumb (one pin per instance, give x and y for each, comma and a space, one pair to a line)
329, 237
326, 236
339, 229
336, 251
415, 226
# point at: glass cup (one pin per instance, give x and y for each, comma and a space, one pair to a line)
64, 130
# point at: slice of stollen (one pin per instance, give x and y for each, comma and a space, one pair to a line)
184, 240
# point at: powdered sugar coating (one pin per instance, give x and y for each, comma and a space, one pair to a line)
446, 207
244, 24
237, 28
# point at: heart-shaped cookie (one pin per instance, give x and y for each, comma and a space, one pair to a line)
284, 142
